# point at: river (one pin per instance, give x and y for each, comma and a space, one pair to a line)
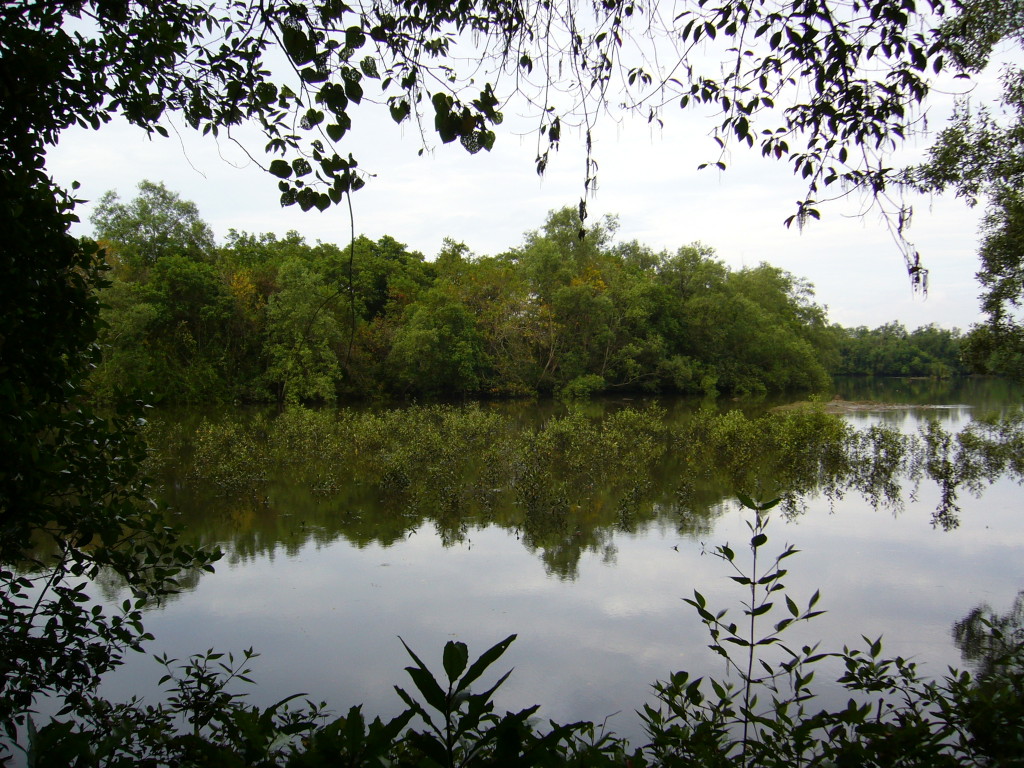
325, 605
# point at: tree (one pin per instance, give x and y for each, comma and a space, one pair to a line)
303, 336
980, 156
155, 224
438, 350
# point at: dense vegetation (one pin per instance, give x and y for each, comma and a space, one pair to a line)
264, 318
70, 475
892, 350
563, 482
267, 318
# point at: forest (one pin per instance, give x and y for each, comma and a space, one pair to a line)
268, 318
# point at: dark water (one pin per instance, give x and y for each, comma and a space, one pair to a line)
322, 585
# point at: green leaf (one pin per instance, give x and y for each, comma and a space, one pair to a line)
296, 45
430, 747
313, 75
427, 685
335, 131
456, 656
399, 110
354, 91
487, 658
281, 169
792, 607
354, 37
368, 66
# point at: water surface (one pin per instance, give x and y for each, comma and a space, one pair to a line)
322, 592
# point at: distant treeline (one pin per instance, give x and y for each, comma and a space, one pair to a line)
263, 318
891, 350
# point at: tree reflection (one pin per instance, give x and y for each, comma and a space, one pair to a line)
566, 485
989, 640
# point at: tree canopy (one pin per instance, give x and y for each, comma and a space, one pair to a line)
270, 319
830, 88
154, 224
979, 156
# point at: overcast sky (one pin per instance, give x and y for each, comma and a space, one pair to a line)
648, 177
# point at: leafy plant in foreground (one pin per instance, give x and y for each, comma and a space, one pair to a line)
469, 733
734, 727
763, 718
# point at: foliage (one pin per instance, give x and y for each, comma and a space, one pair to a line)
471, 734
567, 484
728, 727
437, 350
829, 89
890, 350
205, 723
202, 723
894, 716
996, 351
303, 336
283, 320
71, 475
979, 157
157, 223
72, 502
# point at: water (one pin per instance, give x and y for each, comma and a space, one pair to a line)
325, 604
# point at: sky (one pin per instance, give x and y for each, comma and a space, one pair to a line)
647, 177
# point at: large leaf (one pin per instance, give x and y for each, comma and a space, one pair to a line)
487, 658
456, 656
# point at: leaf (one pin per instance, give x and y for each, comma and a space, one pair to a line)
456, 656
354, 37
487, 658
428, 686
431, 748
368, 66
399, 110
411, 653
296, 45
792, 606
354, 91
281, 169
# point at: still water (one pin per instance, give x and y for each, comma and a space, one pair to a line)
325, 605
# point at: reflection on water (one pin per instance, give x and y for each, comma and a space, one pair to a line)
980, 394
984, 648
581, 539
